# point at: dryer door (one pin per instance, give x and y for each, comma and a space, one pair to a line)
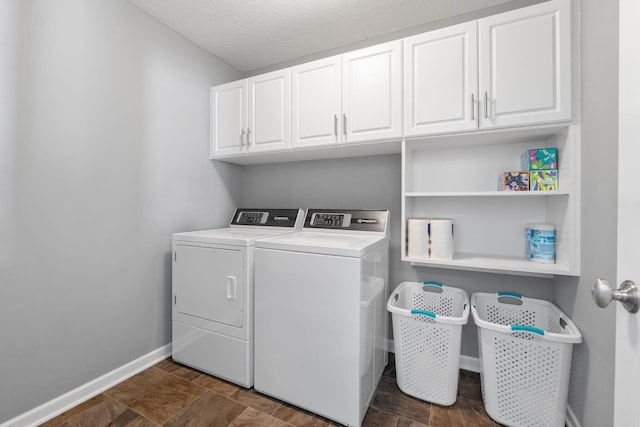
208, 283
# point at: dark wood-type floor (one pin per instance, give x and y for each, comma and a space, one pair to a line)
169, 394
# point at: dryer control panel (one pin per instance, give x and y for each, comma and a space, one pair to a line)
290, 218
369, 220
252, 217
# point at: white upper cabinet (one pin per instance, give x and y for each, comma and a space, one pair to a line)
228, 118
511, 69
316, 103
269, 111
441, 81
372, 93
525, 65
508, 70
251, 115
353, 97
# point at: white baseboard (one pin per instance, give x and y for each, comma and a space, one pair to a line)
472, 364
469, 363
571, 420
62, 403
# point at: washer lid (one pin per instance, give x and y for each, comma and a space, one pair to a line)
228, 236
340, 244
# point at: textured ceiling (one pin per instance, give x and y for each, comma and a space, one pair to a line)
251, 34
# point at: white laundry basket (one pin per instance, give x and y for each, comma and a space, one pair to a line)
525, 352
427, 329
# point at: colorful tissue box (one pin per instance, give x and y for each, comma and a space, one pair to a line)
515, 181
540, 159
545, 180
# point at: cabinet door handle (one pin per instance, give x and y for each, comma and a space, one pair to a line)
242, 137
248, 137
344, 124
335, 124
486, 105
473, 107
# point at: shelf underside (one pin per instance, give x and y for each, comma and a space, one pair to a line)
486, 193
495, 263
514, 135
372, 148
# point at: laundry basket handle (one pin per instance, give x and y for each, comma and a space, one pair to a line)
509, 294
424, 313
525, 328
432, 283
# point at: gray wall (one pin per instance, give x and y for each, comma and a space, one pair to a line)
371, 182
591, 389
104, 128
103, 154
592, 376
375, 182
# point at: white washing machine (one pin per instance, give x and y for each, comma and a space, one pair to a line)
212, 284
321, 329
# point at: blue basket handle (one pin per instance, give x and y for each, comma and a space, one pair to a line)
424, 313
509, 294
432, 283
525, 328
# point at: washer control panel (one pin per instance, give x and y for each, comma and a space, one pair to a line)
291, 218
331, 220
347, 219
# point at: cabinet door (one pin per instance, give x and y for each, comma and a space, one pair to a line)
228, 118
525, 65
315, 114
372, 93
441, 81
270, 111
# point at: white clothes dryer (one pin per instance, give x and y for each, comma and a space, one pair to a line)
213, 284
321, 322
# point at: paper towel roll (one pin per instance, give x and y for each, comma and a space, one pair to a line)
441, 249
441, 238
417, 238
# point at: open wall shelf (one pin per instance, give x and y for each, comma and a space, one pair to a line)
457, 176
